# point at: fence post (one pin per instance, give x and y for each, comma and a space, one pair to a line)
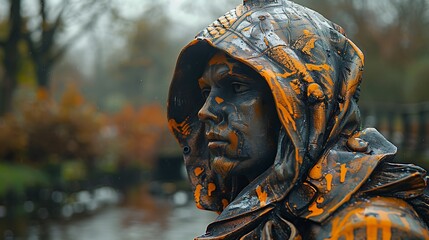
421, 141
406, 128
391, 124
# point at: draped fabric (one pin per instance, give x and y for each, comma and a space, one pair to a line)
314, 72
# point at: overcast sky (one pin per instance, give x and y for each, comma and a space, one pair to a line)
188, 18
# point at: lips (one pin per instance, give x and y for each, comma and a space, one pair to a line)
216, 140
217, 144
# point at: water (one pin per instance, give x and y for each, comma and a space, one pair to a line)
128, 224
140, 216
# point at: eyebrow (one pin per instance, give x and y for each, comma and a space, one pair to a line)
241, 76
224, 76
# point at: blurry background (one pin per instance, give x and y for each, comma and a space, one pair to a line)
85, 152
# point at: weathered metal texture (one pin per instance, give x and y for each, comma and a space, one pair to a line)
325, 166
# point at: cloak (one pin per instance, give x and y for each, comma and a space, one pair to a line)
324, 159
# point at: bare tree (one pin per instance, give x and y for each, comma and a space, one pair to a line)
40, 32
10, 61
42, 40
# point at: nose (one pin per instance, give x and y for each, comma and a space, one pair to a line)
210, 111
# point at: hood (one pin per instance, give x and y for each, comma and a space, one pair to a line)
314, 72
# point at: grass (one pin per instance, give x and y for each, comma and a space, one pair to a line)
19, 177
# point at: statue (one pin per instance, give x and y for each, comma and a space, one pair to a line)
264, 104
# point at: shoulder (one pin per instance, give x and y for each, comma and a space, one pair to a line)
374, 218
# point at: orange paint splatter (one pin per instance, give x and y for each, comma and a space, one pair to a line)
296, 86
233, 138
316, 172
197, 195
262, 196
220, 58
315, 91
318, 68
259, 67
182, 128
320, 200
379, 220
328, 179
266, 42
338, 225
371, 227
219, 100
306, 32
198, 171
212, 188
345, 226
285, 74
349, 234
386, 226
343, 173
285, 102
224, 203
357, 50
298, 157
315, 210
309, 46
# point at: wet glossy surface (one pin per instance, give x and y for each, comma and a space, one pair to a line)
140, 216
125, 223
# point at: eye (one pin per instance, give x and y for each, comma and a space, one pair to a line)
240, 87
205, 92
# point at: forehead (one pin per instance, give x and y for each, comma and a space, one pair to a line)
220, 58
221, 66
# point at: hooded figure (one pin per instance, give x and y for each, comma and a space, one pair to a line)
326, 178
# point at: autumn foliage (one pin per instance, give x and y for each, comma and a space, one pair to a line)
46, 130
139, 133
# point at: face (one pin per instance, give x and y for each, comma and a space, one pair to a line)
240, 118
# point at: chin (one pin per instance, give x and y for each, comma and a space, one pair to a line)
223, 166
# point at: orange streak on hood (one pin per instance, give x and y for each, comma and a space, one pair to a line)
262, 196
182, 128
315, 210
329, 178
343, 173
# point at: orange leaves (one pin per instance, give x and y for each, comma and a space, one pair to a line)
13, 139
68, 129
139, 133
72, 98
42, 129
71, 128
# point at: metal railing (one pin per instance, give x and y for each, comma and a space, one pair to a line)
405, 125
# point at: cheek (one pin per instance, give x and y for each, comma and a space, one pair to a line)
263, 127
245, 114
248, 125
255, 117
